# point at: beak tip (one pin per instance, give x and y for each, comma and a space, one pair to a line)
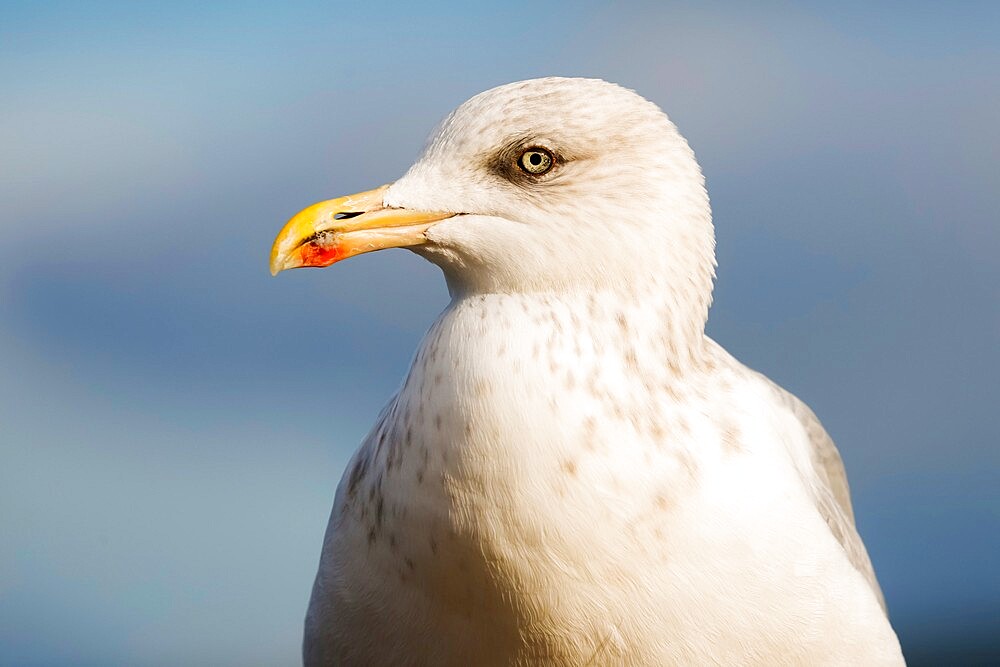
277, 264
278, 261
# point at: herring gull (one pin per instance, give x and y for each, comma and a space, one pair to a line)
572, 473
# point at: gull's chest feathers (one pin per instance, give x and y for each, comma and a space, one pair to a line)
545, 491
531, 413
533, 467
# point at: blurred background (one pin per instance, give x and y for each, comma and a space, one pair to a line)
173, 421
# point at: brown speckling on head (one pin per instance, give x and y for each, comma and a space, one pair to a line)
656, 431
672, 391
732, 438
631, 361
688, 463
682, 424
662, 502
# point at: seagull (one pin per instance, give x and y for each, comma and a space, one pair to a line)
572, 472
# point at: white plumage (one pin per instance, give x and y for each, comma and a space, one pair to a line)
572, 472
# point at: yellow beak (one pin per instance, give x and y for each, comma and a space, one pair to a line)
336, 229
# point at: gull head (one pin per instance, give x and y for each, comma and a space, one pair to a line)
541, 185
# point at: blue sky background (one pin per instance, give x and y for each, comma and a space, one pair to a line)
173, 421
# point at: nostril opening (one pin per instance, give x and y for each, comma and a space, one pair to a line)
347, 214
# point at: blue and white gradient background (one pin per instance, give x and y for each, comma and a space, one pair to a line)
173, 421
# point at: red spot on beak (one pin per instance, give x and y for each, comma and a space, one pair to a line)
313, 254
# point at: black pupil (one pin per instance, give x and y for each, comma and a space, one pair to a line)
535, 159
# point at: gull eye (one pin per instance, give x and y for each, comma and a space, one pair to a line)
535, 161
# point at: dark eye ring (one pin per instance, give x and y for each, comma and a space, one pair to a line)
536, 161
